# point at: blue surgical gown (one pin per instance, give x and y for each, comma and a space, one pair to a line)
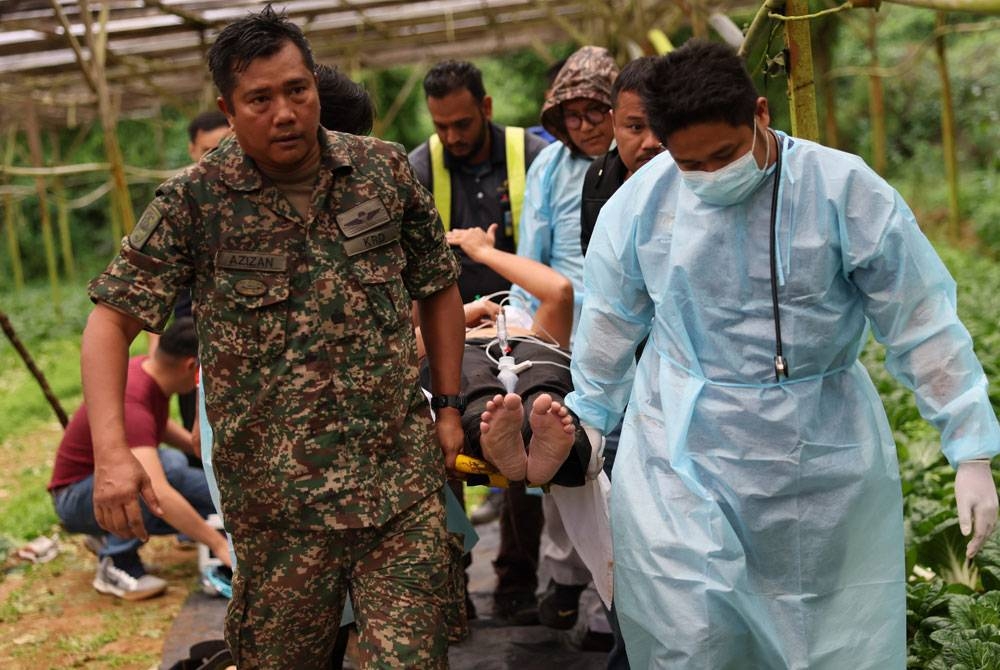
549, 229
759, 524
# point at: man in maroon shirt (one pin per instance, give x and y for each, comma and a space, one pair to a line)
180, 488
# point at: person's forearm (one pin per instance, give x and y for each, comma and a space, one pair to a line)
178, 436
179, 513
539, 280
443, 329
103, 368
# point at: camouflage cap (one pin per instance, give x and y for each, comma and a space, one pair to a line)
588, 73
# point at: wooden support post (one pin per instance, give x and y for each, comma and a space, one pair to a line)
114, 213
10, 215
96, 76
62, 212
37, 159
876, 100
15, 341
13, 248
948, 129
801, 81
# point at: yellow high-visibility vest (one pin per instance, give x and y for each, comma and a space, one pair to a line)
441, 177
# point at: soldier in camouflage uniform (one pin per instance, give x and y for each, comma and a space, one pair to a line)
324, 448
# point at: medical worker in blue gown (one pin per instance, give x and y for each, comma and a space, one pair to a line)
757, 516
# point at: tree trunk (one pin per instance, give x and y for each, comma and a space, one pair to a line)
948, 132
801, 83
876, 101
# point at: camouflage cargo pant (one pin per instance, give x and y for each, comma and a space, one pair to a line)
289, 590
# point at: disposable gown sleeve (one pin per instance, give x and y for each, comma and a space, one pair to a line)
535, 229
616, 315
910, 302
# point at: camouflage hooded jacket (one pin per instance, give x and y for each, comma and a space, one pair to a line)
588, 73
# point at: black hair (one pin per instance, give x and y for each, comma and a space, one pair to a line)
206, 122
451, 76
179, 339
701, 82
632, 77
257, 35
344, 104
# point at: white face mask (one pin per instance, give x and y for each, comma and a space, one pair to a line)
732, 183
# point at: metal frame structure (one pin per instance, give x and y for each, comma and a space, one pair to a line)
56, 53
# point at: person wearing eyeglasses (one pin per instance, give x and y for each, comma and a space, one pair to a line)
576, 112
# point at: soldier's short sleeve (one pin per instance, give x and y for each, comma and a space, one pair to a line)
153, 264
431, 265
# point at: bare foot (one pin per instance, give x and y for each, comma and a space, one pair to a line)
552, 433
501, 438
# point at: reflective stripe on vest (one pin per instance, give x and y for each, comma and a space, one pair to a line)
441, 178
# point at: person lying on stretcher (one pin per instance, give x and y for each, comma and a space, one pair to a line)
518, 423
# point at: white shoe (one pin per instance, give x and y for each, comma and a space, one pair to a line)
116, 582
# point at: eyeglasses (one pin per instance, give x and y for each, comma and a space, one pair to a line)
594, 116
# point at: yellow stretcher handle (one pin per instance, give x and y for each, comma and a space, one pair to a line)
483, 473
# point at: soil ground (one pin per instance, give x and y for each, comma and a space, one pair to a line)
51, 618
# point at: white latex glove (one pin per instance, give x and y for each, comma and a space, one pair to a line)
976, 497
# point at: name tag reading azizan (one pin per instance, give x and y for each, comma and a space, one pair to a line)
373, 240
362, 218
250, 260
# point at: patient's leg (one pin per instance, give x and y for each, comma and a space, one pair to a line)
552, 434
501, 438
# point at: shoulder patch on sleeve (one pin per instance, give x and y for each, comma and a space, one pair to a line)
147, 224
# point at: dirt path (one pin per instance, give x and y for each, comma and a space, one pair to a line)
51, 616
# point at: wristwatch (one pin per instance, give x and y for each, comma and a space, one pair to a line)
442, 401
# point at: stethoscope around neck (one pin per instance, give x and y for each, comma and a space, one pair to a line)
780, 364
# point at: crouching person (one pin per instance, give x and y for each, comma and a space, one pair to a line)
180, 488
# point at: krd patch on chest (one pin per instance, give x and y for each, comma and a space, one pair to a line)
361, 218
373, 240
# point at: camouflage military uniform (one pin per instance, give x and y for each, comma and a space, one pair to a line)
324, 450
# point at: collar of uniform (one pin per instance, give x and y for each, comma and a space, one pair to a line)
334, 152
498, 152
240, 173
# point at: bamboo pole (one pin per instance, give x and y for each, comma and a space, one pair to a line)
62, 213
826, 37
8, 330
96, 75
13, 249
801, 83
9, 216
948, 132
114, 213
35, 149
876, 102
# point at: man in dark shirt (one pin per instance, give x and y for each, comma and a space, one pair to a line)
476, 171
181, 489
635, 145
475, 159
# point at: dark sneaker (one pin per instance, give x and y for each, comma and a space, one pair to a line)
559, 606
115, 581
516, 609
